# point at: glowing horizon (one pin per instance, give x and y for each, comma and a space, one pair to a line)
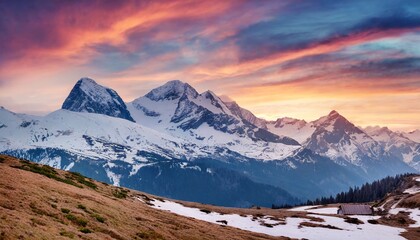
297, 59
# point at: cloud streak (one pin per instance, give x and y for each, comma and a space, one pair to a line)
294, 52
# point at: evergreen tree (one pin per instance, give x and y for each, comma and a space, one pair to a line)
368, 192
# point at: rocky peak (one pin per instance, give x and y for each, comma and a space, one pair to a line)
89, 96
172, 90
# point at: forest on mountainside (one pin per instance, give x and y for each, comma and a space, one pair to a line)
368, 192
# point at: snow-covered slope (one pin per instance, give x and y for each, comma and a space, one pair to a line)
397, 145
330, 227
88, 96
340, 140
246, 115
125, 153
179, 110
337, 138
413, 135
290, 127
87, 134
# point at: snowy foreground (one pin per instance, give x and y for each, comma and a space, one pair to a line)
290, 227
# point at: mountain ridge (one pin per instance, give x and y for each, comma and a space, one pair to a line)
178, 132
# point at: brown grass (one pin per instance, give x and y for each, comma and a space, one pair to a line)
401, 219
353, 220
69, 206
412, 201
31, 208
311, 224
412, 234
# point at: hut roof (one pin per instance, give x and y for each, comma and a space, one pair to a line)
356, 209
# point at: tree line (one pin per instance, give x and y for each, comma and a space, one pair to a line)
368, 192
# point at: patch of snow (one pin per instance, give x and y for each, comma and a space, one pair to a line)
291, 164
357, 231
52, 162
394, 206
315, 209
291, 227
68, 167
293, 128
383, 205
412, 190
303, 208
115, 178
136, 167
184, 165
329, 210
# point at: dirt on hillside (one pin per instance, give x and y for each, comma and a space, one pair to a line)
39, 202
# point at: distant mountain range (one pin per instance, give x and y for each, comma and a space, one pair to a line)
182, 144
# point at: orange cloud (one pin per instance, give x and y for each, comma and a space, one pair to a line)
194, 41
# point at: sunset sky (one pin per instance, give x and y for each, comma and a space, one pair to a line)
276, 58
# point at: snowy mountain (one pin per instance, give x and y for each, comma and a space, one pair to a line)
389, 141
179, 110
336, 138
296, 129
127, 154
89, 135
397, 145
340, 140
88, 96
209, 145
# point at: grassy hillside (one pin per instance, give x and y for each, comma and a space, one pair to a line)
39, 202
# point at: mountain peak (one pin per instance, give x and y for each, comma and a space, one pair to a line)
335, 123
89, 96
87, 80
89, 86
333, 114
329, 119
172, 90
210, 95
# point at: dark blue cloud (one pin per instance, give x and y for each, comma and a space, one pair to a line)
314, 22
383, 63
397, 20
398, 67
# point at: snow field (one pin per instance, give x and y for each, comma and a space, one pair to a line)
290, 227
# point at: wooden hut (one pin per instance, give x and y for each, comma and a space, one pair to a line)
355, 209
